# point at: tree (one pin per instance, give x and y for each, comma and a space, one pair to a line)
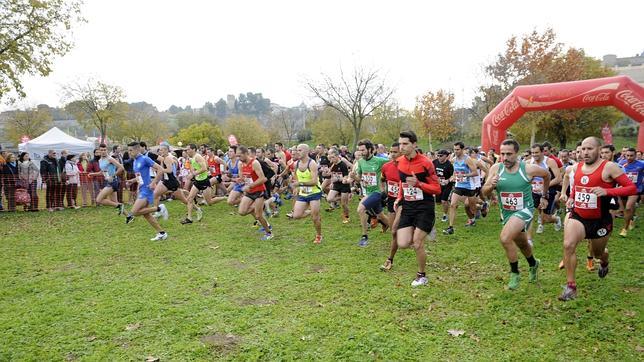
185, 119
142, 123
355, 96
30, 122
328, 126
32, 34
247, 130
95, 104
286, 123
221, 109
202, 133
434, 113
387, 123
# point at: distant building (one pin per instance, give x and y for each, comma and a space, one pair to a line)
629, 66
230, 102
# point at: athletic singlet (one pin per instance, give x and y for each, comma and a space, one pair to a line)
306, 176
249, 175
233, 170
514, 191
197, 169
586, 203
213, 166
107, 168
172, 175
477, 179
537, 182
460, 169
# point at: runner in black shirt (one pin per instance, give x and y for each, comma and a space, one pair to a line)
444, 171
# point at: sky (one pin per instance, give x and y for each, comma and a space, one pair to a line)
189, 52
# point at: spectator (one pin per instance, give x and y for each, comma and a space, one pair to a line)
63, 188
28, 172
85, 183
128, 165
116, 153
9, 180
72, 181
50, 174
3, 154
97, 181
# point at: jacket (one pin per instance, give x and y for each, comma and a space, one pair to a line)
49, 169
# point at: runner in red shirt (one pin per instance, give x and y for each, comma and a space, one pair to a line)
391, 177
253, 178
418, 185
594, 184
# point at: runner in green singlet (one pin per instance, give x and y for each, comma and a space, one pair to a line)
309, 191
512, 181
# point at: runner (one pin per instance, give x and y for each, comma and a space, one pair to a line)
341, 188
545, 215
634, 169
169, 182
310, 192
368, 172
465, 170
444, 171
200, 182
594, 183
418, 186
144, 204
233, 170
512, 181
253, 179
110, 170
391, 177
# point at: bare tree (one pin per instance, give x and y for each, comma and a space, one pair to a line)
95, 104
355, 96
287, 122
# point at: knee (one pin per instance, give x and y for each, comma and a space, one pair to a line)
569, 246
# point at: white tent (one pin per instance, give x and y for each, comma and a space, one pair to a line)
56, 140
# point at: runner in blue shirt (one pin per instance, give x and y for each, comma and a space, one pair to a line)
144, 204
634, 169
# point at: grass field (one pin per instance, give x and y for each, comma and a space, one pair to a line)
82, 285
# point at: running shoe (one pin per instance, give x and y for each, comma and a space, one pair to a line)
471, 222
129, 218
484, 209
540, 229
199, 214
164, 211
558, 223
631, 225
121, 209
289, 215
449, 231
562, 265
533, 272
267, 236
602, 271
387, 265
419, 281
623, 233
329, 209
478, 215
364, 241
186, 221
513, 284
156, 214
270, 228
590, 264
444, 219
318, 239
160, 236
345, 219
568, 294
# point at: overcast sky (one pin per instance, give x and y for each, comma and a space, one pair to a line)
189, 52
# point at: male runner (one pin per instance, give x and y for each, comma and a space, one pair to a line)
340, 188
512, 179
168, 181
594, 184
444, 171
547, 163
310, 192
200, 182
110, 170
465, 170
634, 169
253, 179
391, 177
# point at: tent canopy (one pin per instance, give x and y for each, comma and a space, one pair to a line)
57, 140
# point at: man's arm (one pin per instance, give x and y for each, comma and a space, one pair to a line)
472, 166
491, 181
552, 164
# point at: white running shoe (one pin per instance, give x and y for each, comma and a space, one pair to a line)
540, 229
558, 224
199, 214
419, 281
160, 237
156, 214
164, 211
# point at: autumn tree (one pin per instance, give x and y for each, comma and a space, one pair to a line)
247, 130
142, 122
388, 121
286, 123
203, 133
355, 96
434, 113
32, 34
95, 104
328, 126
31, 122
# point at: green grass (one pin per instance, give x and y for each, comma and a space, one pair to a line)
82, 285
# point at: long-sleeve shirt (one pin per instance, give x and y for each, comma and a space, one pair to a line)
420, 196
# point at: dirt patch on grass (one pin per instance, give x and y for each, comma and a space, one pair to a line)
221, 342
318, 268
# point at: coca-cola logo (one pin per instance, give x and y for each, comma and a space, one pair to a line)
631, 100
594, 98
507, 110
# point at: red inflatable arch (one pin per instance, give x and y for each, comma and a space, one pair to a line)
621, 92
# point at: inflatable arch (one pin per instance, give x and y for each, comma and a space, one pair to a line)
620, 91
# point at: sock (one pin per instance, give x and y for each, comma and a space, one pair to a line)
158, 208
420, 274
572, 285
531, 260
514, 267
391, 259
603, 264
365, 236
161, 232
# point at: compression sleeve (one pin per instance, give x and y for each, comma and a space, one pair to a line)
627, 188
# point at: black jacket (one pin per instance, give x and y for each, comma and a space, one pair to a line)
49, 169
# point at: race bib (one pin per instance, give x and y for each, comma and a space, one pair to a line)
632, 176
369, 179
411, 193
248, 180
165, 176
337, 176
584, 198
512, 200
537, 187
107, 176
460, 176
393, 188
306, 189
213, 170
139, 179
